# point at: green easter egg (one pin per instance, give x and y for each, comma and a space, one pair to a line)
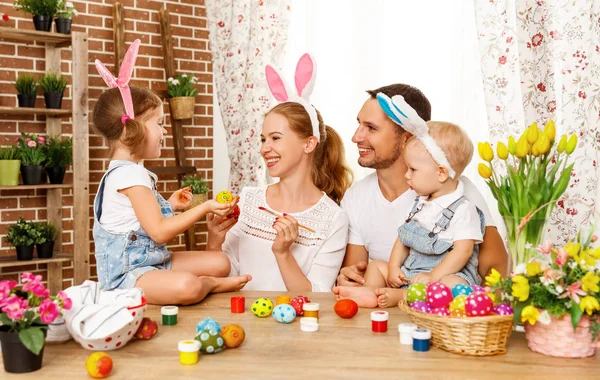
417, 292
211, 342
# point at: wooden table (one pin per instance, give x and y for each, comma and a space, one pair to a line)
342, 348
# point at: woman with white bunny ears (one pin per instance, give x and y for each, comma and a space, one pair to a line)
292, 235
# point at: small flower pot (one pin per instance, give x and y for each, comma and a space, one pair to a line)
53, 99
56, 174
16, 357
560, 339
63, 25
27, 101
196, 200
25, 253
45, 250
32, 174
182, 107
9, 172
43, 23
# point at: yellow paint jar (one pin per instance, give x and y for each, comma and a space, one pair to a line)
282, 299
311, 310
188, 351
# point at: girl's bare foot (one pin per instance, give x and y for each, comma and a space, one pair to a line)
389, 297
229, 284
363, 296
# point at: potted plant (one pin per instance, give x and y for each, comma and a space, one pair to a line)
31, 152
23, 236
527, 174
47, 234
64, 16
53, 86
198, 187
24, 320
59, 154
557, 296
182, 90
26, 90
9, 166
42, 11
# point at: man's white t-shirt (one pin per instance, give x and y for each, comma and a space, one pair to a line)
117, 212
374, 220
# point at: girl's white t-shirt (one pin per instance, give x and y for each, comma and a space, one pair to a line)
117, 212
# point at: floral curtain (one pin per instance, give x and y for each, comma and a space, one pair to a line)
541, 60
245, 36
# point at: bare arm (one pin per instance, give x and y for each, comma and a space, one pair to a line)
293, 277
162, 230
492, 253
399, 254
455, 260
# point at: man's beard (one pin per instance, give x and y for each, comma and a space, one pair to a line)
384, 163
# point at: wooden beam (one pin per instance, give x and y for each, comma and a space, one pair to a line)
119, 35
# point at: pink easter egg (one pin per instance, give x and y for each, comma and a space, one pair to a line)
441, 311
421, 306
478, 305
438, 295
503, 309
477, 288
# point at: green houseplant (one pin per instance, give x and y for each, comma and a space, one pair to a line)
198, 187
9, 166
31, 151
182, 90
64, 17
26, 90
23, 236
47, 234
42, 11
53, 86
59, 155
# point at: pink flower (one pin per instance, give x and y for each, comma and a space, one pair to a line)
66, 301
41, 139
29, 277
574, 291
561, 257
14, 307
502, 60
5, 288
545, 248
594, 238
48, 311
31, 144
39, 290
30, 281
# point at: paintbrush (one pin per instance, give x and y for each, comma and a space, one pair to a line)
404, 278
281, 216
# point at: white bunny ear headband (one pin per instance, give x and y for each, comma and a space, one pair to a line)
306, 72
404, 115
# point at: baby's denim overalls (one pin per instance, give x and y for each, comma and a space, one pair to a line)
427, 252
122, 258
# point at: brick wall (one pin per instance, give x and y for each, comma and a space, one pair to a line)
192, 55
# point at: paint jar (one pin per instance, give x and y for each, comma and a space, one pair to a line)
421, 338
311, 310
309, 324
238, 304
188, 351
379, 321
169, 315
282, 300
405, 330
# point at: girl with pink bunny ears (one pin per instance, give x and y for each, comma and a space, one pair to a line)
308, 158
132, 221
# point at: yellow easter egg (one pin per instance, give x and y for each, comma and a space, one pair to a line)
233, 335
458, 303
262, 307
224, 197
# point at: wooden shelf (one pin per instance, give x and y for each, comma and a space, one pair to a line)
57, 39
35, 111
35, 187
13, 262
172, 169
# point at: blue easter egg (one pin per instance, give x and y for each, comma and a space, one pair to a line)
461, 290
284, 313
208, 324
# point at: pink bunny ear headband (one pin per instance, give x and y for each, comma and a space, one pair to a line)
122, 81
306, 73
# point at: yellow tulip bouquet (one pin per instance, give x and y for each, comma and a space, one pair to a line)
527, 174
558, 281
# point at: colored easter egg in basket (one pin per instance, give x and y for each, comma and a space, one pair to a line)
346, 308
211, 342
458, 303
208, 324
438, 295
224, 197
235, 213
422, 306
233, 335
148, 328
284, 313
297, 303
478, 305
457, 313
416, 292
441, 311
262, 307
461, 290
477, 288
503, 309
99, 365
